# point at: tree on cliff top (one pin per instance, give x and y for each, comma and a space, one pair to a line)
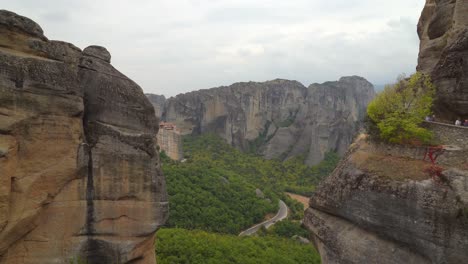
399, 110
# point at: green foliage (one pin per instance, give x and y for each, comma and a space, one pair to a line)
164, 156
205, 196
399, 110
269, 175
296, 209
263, 137
260, 140
288, 121
174, 246
77, 260
215, 189
288, 229
304, 178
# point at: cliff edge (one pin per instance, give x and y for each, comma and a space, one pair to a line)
80, 175
443, 31
381, 206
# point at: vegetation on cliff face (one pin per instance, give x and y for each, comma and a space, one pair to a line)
183, 246
399, 110
262, 138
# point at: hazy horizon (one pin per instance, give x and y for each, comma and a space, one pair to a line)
171, 47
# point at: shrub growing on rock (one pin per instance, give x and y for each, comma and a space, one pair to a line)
399, 110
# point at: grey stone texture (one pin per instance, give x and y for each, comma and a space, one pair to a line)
443, 31
281, 118
81, 177
357, 216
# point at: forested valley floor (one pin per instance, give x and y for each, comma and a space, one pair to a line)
218, 191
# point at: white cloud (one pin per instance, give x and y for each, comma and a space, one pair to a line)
169, 47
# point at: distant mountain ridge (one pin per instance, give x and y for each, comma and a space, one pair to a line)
277, 119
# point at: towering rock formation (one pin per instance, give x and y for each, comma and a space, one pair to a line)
443, 30
279, 118
328, 121
80, 176
381, 205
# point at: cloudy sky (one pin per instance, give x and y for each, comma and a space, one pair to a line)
175, 46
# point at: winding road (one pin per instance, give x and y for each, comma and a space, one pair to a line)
281, 215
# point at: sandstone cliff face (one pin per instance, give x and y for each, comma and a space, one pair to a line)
328, 121
239, 112
158, 102
279, 118
443, 30
80, 175
379, 206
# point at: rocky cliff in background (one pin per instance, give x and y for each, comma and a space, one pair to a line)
279, 118
443, 30
158, 102
80, 175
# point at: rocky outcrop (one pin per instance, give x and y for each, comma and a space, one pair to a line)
381, 206
331, 116
80, 175
279, 118
443, 30
158, 102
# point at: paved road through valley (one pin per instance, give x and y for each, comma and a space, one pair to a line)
281, 215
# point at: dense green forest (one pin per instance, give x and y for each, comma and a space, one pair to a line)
291, 175
214, 190
287, 229
193, 247
205, 196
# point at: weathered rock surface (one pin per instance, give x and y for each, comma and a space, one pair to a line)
158, 102
443, 30
279, 118
378, 207
332, 116
80, 175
